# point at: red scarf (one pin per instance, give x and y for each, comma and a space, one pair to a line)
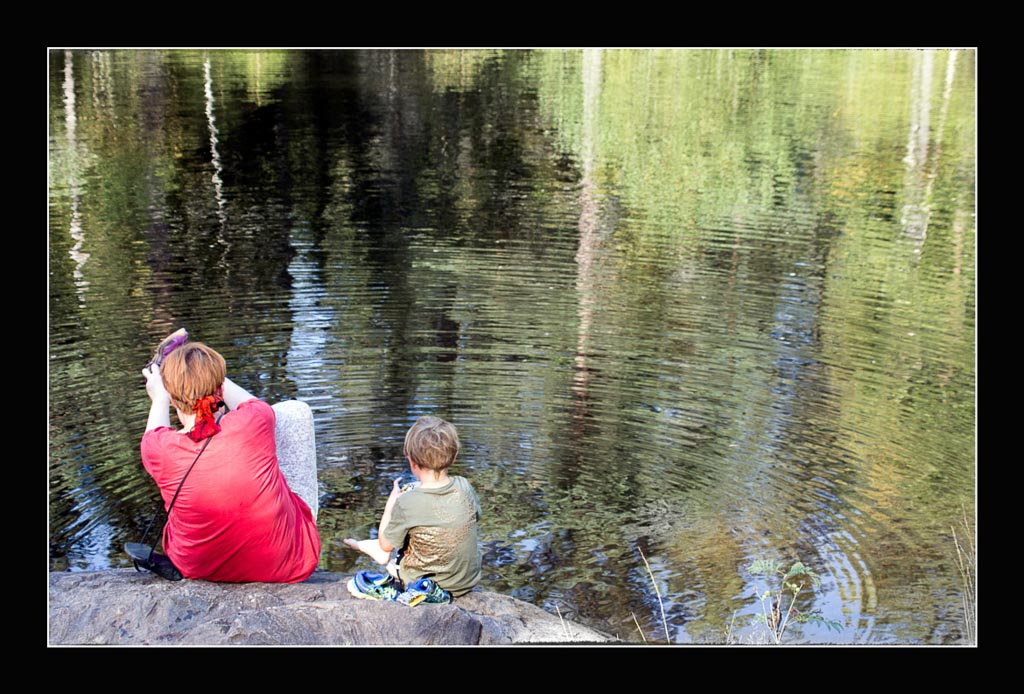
205, 411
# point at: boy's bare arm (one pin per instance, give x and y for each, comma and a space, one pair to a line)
385, 517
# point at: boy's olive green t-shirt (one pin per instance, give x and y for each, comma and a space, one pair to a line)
443, 542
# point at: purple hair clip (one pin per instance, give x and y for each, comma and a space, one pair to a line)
169, 344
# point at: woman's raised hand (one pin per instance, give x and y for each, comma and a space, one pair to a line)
155, 384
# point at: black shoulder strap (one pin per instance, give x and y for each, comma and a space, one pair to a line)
180, 484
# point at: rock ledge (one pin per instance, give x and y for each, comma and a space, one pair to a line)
125, 607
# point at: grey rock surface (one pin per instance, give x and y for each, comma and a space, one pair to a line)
125, 607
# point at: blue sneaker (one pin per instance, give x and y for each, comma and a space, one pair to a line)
368, 585
424, 590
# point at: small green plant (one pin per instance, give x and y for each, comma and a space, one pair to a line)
776, 614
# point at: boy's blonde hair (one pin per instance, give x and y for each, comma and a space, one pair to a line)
191, 372
432, 443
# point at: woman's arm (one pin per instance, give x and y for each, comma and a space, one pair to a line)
160, 399
234, 394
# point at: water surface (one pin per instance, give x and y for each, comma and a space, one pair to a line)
688, 309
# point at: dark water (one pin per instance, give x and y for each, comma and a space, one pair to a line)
688, 309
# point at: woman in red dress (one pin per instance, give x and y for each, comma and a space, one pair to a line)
235, 519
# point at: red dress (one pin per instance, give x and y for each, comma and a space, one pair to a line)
235, 520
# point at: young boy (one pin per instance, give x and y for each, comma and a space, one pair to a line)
431, 526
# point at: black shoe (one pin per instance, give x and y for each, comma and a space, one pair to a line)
144, 557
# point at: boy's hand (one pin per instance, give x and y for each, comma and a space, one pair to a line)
404, 486
397, 489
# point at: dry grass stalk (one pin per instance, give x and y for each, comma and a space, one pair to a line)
967, 564
638, 627
656, 592
565, 628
